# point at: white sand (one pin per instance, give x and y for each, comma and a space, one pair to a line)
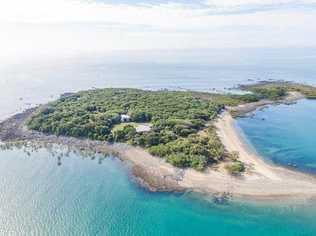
261, 180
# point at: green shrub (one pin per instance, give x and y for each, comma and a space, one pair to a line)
176, 117
198, 162
140, 116
235, 168
179, 160
124, 134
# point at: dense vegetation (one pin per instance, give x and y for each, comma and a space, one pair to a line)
180, 130
176, 118
277, 90
197, 150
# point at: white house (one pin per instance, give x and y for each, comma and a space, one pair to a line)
125, 118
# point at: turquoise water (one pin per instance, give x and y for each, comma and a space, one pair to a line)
284, 134
84, 196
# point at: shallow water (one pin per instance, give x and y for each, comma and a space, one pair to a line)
83, 197
284, 134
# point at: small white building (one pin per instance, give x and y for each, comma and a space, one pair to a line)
125, 118
143, 127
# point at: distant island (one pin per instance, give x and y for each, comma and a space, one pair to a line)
187, 129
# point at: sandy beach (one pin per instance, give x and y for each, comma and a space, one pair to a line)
249, 107
261, 180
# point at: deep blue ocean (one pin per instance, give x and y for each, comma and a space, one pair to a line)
87, 196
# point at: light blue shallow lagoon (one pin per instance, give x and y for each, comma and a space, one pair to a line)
41, 195
85, 196
284, 134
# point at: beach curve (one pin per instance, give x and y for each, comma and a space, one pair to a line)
260, 181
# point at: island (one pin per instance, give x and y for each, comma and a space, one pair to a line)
174, 140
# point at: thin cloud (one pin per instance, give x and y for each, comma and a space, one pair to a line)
78, 25
91, 11
253, 6
243, 3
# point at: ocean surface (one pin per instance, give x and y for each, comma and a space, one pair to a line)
284, 134
53, 192
27, 82
76, 195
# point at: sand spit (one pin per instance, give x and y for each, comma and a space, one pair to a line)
261, 181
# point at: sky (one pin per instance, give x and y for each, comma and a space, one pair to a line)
85, 26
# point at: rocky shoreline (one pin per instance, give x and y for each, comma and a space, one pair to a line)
14, 130
262, 181
244, 109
